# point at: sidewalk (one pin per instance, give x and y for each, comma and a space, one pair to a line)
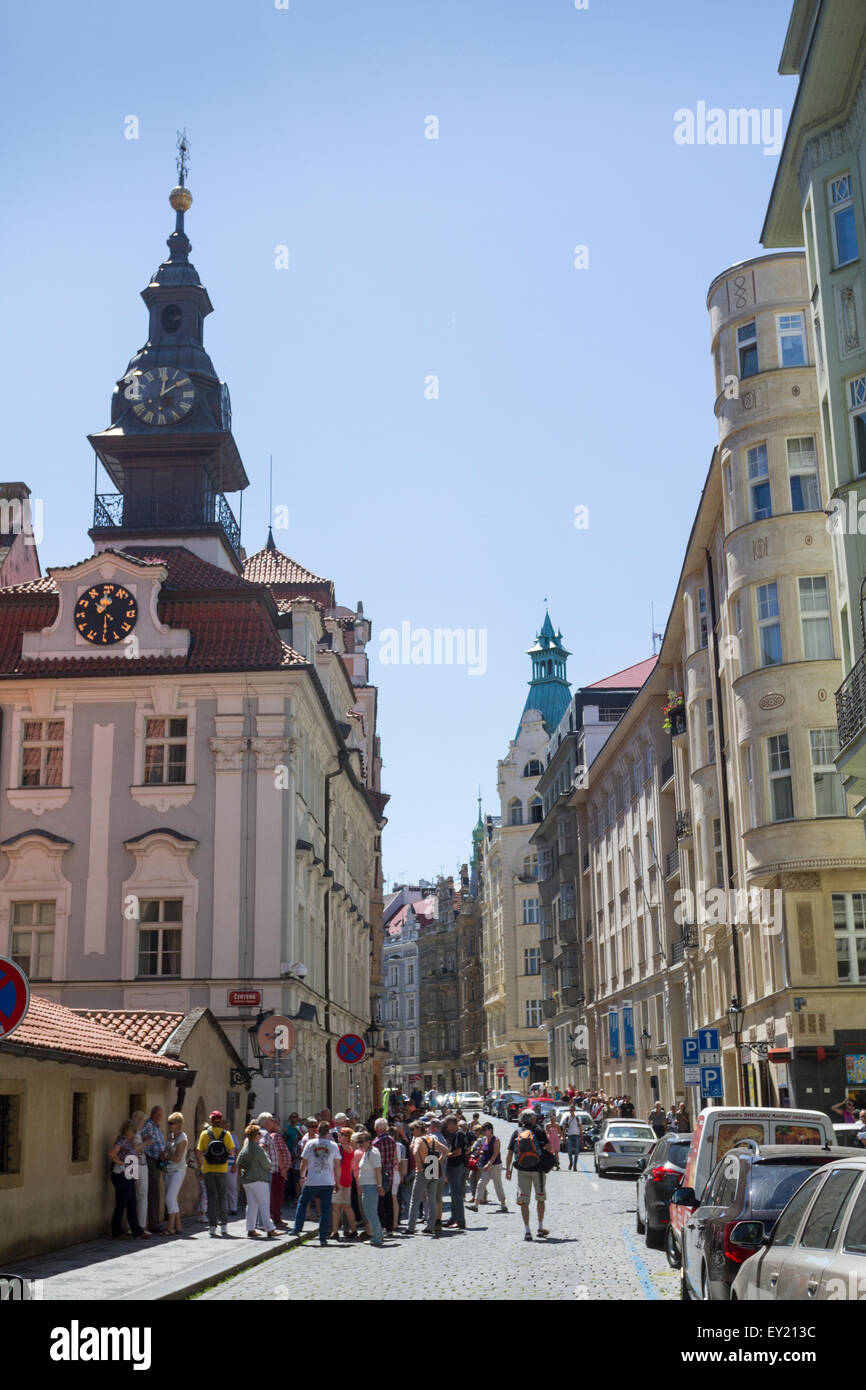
163, 1267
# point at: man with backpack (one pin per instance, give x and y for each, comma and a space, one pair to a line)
529, 1152
428, 1154
212, 1156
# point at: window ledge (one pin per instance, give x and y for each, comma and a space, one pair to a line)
37, 800
163, 796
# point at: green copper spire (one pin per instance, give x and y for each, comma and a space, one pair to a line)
549, 688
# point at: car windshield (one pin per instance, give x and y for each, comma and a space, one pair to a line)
620, 1131
678, 1153
774, 1184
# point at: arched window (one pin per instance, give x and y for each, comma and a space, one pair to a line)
533, 768
536, 810
550, 668
515, 813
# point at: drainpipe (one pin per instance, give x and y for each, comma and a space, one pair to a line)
329, 1061
726, 808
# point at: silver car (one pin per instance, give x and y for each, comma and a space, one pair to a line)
817, 1250
623, 1146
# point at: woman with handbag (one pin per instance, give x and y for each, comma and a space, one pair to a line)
490, 1167
254, 1168
173, 1164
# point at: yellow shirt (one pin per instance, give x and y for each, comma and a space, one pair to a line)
204, 1139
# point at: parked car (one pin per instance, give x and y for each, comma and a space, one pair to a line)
623, 1146
469, 1101
817, 1250
545, 1108
846, 1136
743, 1198
502, 1103
718, 1128
514, 1105
656, 1185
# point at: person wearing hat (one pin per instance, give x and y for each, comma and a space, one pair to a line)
212, 1156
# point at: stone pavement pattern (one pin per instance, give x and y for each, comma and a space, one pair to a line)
592, 1253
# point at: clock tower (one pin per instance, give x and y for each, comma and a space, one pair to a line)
169, 450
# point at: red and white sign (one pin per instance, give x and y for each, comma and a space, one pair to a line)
240, 997
14, 996
276, 1033
500, 1071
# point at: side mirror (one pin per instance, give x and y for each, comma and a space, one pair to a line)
749, 1233
684, 1197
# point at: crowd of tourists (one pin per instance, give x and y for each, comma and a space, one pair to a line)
386, 1177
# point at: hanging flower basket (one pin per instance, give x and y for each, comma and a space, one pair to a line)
675, 706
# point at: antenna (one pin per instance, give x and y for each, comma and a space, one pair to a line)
271, 489
656, 636
182, 157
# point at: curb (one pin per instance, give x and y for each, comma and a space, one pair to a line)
207, 1281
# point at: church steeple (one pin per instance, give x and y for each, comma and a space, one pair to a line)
549, 688
169, 449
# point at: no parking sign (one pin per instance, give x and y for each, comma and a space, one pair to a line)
14, 996
351, 1048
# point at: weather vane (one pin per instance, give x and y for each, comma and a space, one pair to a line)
182, 157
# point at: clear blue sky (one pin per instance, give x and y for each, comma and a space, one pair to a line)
408, 257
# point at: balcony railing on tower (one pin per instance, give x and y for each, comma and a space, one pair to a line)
851, 703
117, 511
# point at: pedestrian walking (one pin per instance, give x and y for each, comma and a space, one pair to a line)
139, 1119
455, 1171
490, 1167
320, 1169
341, 1207
274, 1146
429, 1151
626, 1110
254, 1170
212, 1155
656, 1118
125, 1155
388, 1149
291, 1134
474, 1166
683, 1121
232, 1177
573, 1130
174, 1172
401, 1165
152, 1131
554, 1138
526, 1148
368, 1169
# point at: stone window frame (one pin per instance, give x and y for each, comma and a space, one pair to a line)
37, 800
163, 796
153, 855
39, 881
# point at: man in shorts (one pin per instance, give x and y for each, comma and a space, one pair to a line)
525, 1147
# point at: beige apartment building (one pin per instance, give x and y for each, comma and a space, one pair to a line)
726, 875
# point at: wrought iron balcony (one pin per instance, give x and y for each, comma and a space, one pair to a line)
684, 825
672, 862
851, 704
691, 936
116, 511
678, 952
678, 721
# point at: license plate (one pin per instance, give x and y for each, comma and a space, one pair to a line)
631, 1148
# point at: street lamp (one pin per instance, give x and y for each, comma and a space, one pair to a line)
736, 1016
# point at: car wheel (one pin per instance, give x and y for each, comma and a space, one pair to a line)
655, 1237
640, 1226
672, 1251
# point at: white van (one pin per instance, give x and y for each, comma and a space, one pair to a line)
719, 1127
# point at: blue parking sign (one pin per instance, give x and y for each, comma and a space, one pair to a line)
711, 1079
690, 1051
708, 1039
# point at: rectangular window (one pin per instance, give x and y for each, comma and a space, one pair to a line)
759, 482
80, 1135
857, 411
747, 348
791, 331
803, 471
42, 753
779, 774
410, 1008
10, 1134
747, 772
33, 938
165, 750
565, 834
159, 946
829, 795
410, 973
530, 911
532, 961
711, 732
849, 922
566, 902
702, 618
718, 855
769, 630
815, 618
841, 198
532, 1013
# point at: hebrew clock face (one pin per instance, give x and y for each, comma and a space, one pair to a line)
165, 395
105, 614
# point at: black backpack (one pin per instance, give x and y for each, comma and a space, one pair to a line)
217, 1150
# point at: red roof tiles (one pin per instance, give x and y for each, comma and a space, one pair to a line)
49, 1027
149, 1028
633, 677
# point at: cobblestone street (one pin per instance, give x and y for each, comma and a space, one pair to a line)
592, 1253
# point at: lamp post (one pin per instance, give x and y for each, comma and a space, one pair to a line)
372, 1038
736, 1015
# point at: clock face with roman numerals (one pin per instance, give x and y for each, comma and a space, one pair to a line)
163, 396
105, 614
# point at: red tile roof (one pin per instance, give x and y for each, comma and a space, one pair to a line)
149, 1028
287, 579
186, 570
49, 1027
632, 678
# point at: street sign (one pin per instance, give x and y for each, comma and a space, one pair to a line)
708, 1040
351, 1048
521, 1059
691, 1076
690, 1051
285, 1064
711, 1059
276, 1033
14, 996
711, 1080
238, 998
523, 1071
500, 1071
